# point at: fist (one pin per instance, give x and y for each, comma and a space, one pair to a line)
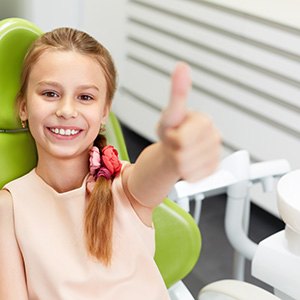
189, 139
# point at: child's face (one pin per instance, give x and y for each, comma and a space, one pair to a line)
65, 103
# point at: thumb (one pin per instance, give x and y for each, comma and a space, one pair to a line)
176, 110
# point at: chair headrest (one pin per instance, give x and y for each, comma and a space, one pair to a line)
17, 148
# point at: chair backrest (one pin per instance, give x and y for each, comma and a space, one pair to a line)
178, 239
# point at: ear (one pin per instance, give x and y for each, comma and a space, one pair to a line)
105, 113
23, 110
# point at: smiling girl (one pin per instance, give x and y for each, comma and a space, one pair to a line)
79, 225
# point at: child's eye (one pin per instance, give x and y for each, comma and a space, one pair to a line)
85, 97
50, 94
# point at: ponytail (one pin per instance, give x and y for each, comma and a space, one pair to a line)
99, 216
98, 221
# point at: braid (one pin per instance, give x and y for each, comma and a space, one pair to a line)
100, 141
99, 216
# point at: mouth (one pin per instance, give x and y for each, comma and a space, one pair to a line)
64, 131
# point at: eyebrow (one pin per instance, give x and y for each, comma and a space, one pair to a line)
52, 83
56, 84
88, 86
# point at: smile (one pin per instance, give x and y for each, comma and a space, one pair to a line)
64, 132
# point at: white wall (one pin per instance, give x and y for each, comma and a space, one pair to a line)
104, 19
45, 14
10, 8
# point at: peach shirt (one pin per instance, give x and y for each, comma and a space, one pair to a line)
49, 231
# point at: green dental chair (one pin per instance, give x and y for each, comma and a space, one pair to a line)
178, 239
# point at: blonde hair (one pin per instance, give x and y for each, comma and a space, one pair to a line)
98, 224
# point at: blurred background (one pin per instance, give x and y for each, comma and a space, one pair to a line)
245, 61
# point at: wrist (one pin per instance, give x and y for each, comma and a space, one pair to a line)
166, 156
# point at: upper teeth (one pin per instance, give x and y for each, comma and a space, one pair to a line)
64, 131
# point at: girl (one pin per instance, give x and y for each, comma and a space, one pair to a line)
79, 226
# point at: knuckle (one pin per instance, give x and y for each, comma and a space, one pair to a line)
179, 143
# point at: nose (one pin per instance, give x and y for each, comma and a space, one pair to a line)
66, 108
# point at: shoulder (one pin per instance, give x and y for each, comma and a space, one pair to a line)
5, 204
19, 183
5, 199
6, 213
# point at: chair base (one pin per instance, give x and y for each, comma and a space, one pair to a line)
179, 291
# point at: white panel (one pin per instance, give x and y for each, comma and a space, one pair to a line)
235, 23
280, 11
137, 116
261, 140
141, 79
220, 42
237, 95
234, 71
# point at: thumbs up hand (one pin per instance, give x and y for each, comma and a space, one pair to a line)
189, 139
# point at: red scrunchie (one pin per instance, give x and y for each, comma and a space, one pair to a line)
105, 163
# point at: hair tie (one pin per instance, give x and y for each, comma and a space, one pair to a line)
105, 163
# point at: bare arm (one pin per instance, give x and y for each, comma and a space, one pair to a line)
188, 149
12, 278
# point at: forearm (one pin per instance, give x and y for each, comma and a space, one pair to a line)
152, 176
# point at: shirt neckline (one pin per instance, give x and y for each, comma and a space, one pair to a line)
69, 194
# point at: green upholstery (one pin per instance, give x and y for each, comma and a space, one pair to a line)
115, 137
178, 239
178, 242
16, 35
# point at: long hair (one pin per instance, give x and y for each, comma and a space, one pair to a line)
98, 223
